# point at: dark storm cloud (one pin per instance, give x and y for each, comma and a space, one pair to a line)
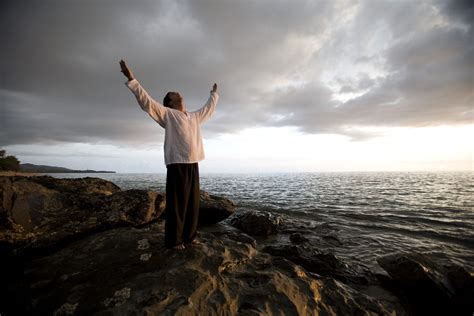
64, 57
460, 9
61, 80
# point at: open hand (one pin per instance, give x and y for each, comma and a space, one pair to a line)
214, 88
125, 70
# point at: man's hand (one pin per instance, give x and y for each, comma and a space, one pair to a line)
126, 71
214, 88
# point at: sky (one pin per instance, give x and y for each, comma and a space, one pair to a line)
304, 86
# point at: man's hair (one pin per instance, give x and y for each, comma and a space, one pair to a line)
167, 100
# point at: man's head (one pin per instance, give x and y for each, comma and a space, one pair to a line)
174, 100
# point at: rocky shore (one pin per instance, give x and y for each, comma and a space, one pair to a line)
86, 247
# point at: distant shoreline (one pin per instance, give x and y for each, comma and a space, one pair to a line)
28, 174
19, 173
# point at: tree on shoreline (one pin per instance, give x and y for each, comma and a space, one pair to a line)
8, 163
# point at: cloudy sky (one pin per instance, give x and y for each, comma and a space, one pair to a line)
304, 85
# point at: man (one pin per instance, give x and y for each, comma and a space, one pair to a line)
183, 148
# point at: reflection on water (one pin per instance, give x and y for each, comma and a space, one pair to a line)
375, 213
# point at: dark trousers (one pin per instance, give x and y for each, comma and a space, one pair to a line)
182, 203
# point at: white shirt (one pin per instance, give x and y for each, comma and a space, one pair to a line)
183, 141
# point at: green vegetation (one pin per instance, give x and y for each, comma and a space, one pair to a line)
8, 163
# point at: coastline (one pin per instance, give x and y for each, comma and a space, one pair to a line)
19, 173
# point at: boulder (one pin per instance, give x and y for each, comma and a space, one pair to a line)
22, 196
297, 238
429, 285
135, 206
44, 211
214, 208
128, 271
256, 223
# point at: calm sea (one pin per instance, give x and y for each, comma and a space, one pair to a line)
374, 213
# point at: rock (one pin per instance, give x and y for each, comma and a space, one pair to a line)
128, 271
214, 209
430, 286
135, 206
297, 238
43, 211
220, 230
322, 263
356, 277
241, 237
83, 185
332, 239
256, 223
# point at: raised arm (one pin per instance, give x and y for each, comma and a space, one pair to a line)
155, 109
206, 111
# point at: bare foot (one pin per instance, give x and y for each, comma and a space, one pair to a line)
195, 242
179, 247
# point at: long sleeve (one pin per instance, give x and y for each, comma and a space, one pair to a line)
156, 110
206, 111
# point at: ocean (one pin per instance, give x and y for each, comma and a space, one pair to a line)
373, 213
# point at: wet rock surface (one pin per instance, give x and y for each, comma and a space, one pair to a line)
297, 238
256, 223
430, 286
214, 208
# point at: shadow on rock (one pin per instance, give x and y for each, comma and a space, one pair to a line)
429, 286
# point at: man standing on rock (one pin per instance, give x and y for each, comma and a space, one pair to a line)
183, 148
